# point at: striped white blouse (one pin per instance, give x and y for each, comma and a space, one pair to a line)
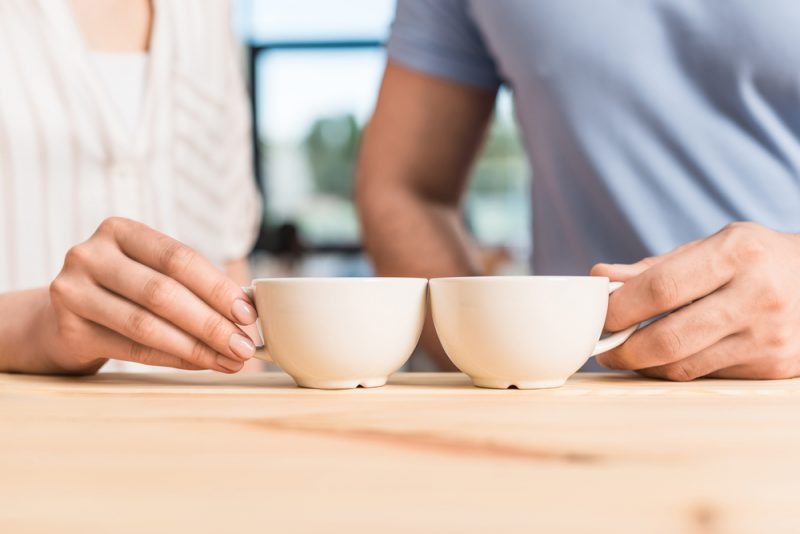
67, 159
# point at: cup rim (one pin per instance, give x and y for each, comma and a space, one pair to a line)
339, 279
548, 278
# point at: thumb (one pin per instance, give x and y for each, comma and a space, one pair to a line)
623, 272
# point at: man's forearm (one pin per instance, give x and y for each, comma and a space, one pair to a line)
407, 235
413, 170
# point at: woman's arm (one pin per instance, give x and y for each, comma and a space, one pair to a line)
130, 293
24, 328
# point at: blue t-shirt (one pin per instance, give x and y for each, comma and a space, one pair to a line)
649, 123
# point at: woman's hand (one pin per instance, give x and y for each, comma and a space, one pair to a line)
134, 294
737, 301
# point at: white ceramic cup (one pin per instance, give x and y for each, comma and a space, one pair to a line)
524, 331
340, 333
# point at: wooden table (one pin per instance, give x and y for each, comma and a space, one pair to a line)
213, 453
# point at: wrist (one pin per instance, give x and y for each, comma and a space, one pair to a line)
20, 349
51, 349
30, 341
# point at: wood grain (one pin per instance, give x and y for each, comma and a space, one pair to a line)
209, 453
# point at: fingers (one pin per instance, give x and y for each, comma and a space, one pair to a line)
688, 275
178, 261
172, 301
761, 369
721, 355
141, 326
740, 356
623, 272
109, 344
678, 335
167, 300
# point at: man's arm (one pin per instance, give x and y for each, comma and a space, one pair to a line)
732, 305
415, 162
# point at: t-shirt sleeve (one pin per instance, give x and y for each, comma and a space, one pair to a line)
440, 38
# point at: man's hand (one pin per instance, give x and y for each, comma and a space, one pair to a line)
134, 294
736, 297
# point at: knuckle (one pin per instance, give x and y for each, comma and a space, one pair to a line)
220, 291
719, 267
607, 360
140, 325
773, 298
614, 317
199, 353
735, 226
176, 257
663, 291
744, 226
139, 353
59, 290
722, 317
779, 338
665, 344
620, 357
216, 327
650, 372
774, 302
110, 225
751, 251
679, 372
186, 366
144, 355
614, 323
158, 293
745, 242
77, 256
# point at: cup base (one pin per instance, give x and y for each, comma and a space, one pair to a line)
499, 383
340, 384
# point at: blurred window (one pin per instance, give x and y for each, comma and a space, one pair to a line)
318, 66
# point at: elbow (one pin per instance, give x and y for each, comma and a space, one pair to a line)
363, 191
373, 192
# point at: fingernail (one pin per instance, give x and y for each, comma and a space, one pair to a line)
242, 346
229, 364
243, 312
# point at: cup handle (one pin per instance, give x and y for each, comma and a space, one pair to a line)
617, 338
261, 351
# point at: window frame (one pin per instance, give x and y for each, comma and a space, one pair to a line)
256, 51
